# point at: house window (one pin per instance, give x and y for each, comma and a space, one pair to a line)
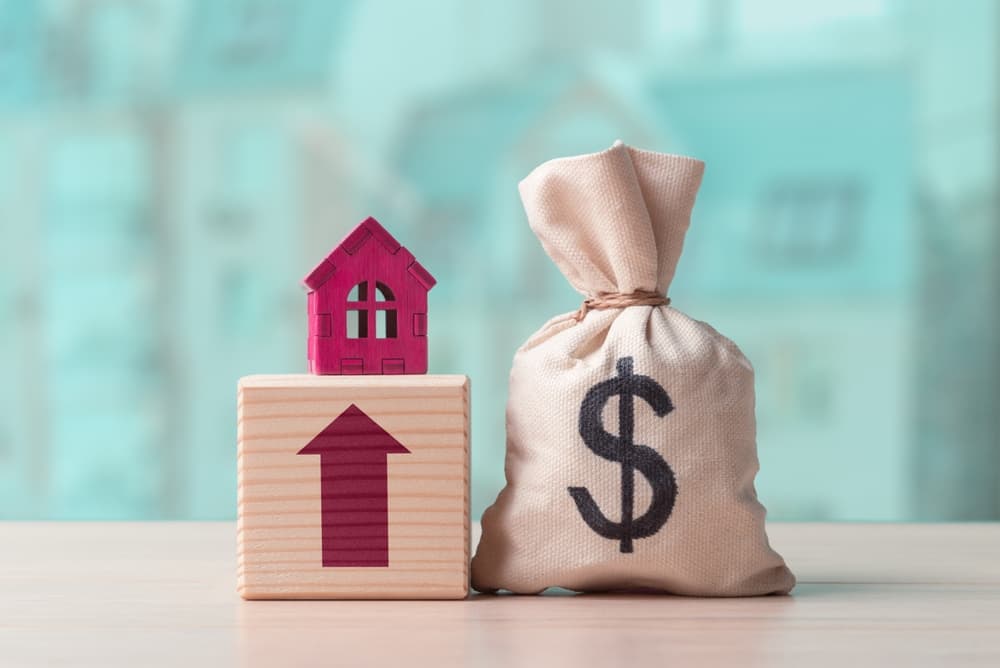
357, 323
371, 313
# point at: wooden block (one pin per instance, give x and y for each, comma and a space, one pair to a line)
353, 486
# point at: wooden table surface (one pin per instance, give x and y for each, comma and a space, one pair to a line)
165, 594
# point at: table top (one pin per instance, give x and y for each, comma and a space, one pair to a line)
148, 594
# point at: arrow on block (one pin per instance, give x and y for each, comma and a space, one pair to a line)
354, 487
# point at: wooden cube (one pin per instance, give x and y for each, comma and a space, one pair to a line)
353, 486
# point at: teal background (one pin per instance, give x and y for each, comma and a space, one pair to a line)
169, 171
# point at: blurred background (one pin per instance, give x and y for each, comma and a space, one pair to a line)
170, 170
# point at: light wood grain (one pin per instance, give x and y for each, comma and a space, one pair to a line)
161, 594
279, 527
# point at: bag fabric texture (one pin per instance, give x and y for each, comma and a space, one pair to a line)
631, 438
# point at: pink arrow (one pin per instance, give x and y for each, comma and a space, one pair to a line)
354, 488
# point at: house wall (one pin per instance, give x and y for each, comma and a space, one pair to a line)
372, 263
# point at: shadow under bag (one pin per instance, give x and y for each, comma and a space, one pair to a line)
631, 440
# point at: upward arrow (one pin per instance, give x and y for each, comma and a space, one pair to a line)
354, 488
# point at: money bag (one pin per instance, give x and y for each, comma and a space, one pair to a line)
631, 438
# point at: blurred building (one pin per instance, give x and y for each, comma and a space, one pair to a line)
170, 170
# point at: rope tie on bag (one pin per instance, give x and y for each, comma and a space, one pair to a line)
606, 300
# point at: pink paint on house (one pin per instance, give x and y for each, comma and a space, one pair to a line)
367, 307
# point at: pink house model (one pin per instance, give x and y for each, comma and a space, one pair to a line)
368, 307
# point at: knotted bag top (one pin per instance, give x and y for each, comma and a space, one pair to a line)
614, 222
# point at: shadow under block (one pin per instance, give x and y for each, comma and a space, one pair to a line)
397, 492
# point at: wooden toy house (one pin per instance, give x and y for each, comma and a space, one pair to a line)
367, 307
353, 480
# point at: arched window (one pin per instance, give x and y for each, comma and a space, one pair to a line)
371, 312
383, 293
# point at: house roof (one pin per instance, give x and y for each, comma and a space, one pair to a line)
369, 230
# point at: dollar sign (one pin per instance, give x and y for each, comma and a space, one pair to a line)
631, 455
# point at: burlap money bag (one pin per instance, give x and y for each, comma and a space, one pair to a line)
631, 450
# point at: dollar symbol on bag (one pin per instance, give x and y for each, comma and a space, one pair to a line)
632, 456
